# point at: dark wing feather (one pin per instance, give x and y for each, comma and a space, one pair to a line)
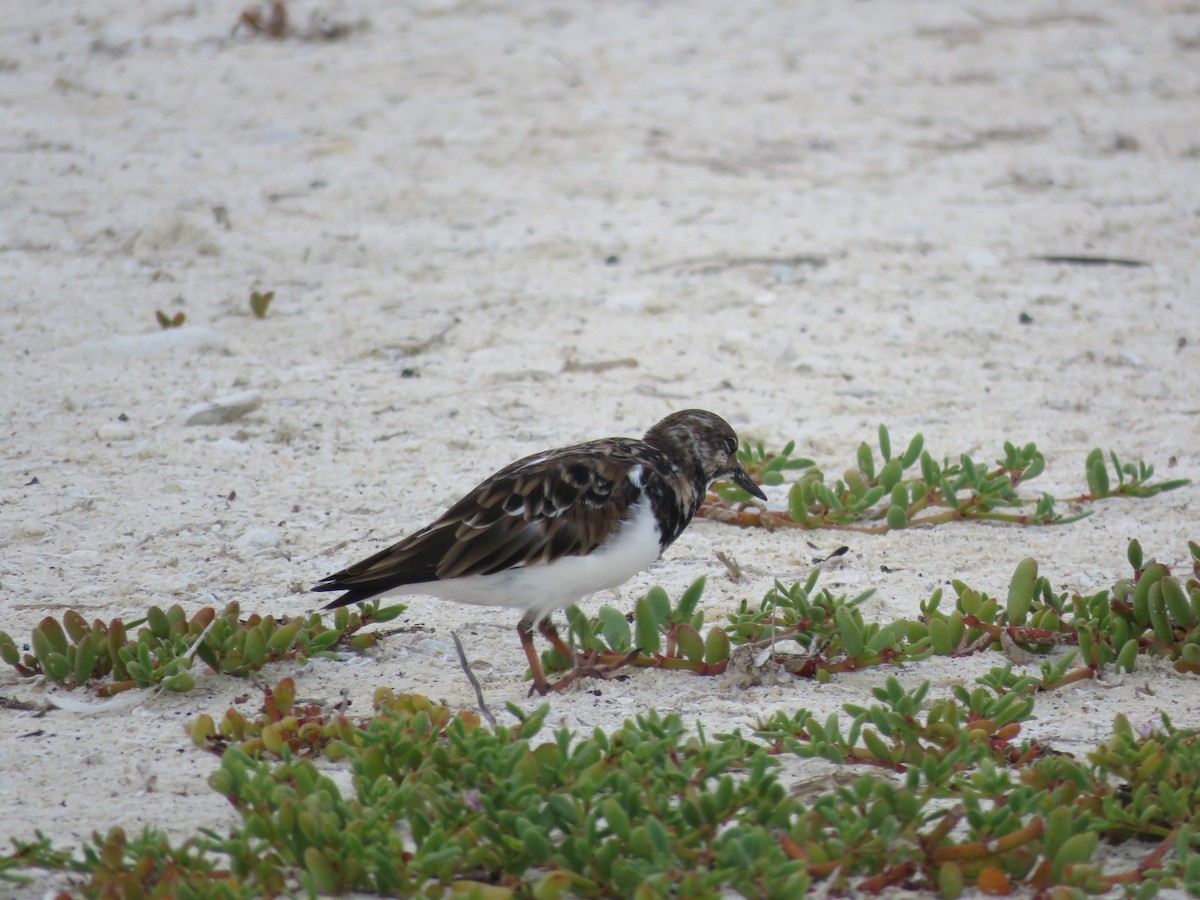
538, 509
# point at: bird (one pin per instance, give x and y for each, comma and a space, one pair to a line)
555, 527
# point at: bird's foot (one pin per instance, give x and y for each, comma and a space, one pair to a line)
587, 666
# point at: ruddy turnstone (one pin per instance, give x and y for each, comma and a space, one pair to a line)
555, 527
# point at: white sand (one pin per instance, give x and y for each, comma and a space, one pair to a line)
552, 184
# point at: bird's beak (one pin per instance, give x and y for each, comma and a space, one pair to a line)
742, 479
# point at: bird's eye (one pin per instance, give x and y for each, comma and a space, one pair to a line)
730, 446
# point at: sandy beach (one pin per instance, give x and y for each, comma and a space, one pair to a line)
494, 228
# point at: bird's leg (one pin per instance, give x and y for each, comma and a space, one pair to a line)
549, 632
587, 667
582, 667
525, 632
606, 671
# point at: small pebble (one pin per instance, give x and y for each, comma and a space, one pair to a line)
115, 431
190, 340
229, 445
83, 559
257, 541
224, 410
115, 41
432, 647
32, 528
980, 258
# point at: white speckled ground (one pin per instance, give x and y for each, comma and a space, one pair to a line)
533, 186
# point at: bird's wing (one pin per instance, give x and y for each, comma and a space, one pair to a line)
537, 510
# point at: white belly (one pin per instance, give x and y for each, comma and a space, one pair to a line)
543, 588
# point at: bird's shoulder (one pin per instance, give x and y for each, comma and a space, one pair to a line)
564, 502
569, 482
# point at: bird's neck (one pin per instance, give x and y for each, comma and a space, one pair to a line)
674, 500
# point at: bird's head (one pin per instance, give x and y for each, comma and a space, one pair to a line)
703, 442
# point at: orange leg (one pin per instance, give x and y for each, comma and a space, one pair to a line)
525, 632
549, 632
582, 666
586, 667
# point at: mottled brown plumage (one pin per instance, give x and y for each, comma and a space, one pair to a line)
556, 526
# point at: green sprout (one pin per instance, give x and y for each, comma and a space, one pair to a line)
910, 490
260, 302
